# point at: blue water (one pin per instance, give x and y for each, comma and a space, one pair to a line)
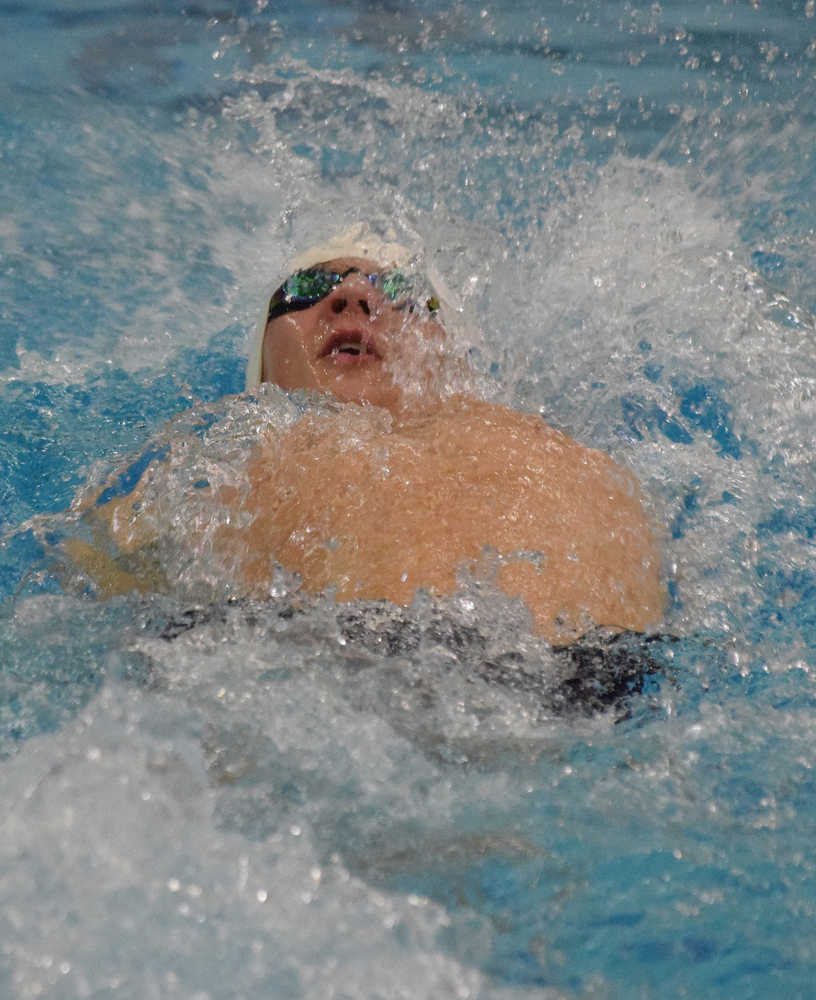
625, 197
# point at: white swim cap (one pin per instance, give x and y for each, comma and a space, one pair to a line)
357, 241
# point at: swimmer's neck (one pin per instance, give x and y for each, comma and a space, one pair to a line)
420, 409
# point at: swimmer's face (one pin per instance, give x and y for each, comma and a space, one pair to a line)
355, 343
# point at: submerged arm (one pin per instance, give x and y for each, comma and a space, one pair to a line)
116, 547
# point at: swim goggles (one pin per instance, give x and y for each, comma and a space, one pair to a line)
306, 288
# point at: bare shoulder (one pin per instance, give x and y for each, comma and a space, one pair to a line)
546, 492
511, 441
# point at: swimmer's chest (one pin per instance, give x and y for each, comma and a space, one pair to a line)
377, 513
460, 480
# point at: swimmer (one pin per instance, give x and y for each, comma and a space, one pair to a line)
413, 483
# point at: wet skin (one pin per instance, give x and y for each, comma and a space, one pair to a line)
408, 488
378, 509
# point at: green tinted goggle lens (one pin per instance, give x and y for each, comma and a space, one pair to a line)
306, 288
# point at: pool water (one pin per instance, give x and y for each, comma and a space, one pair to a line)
216, 798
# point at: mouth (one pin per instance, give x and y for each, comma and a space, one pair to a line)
350, 347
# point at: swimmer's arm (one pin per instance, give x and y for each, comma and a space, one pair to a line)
108, 576
115, 546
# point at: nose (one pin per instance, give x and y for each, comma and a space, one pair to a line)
355, 293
